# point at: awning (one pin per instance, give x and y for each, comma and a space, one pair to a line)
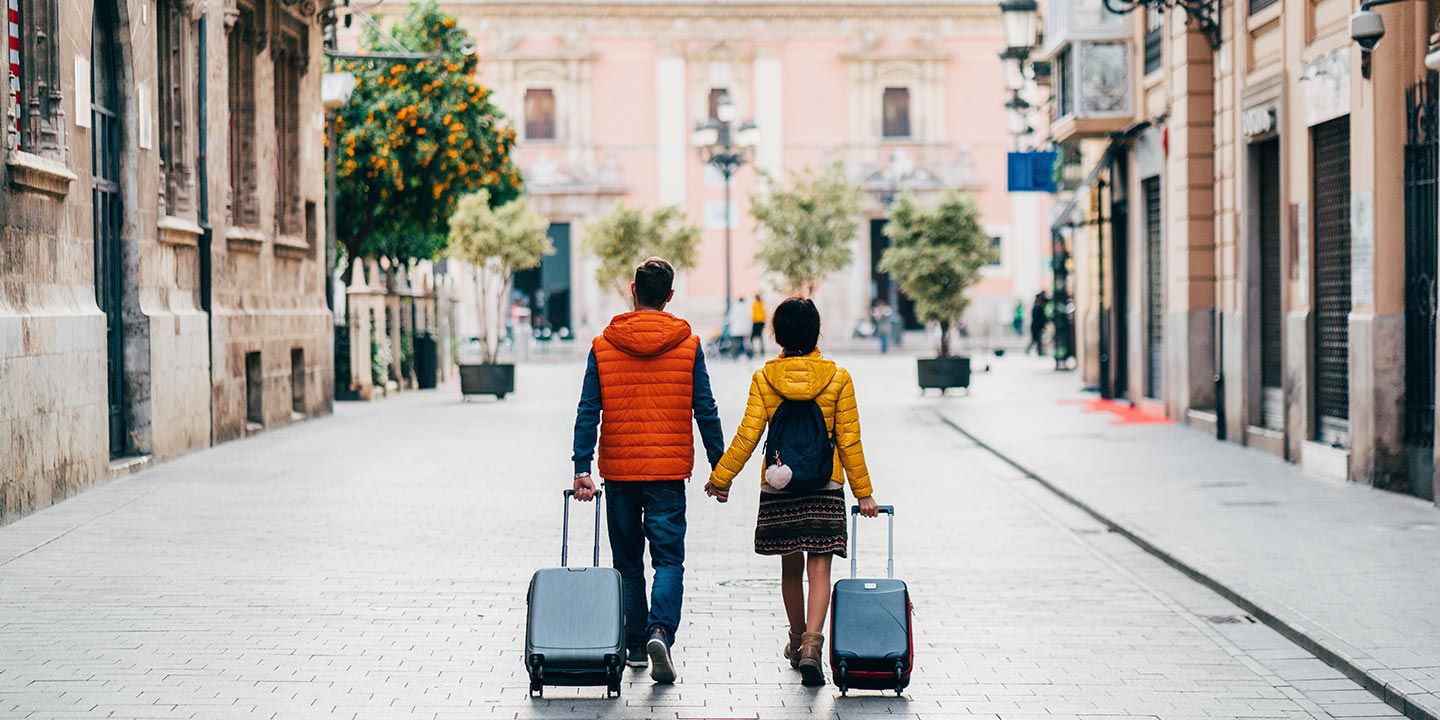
1118, 143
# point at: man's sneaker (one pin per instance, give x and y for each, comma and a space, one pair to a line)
662, 668
636, 658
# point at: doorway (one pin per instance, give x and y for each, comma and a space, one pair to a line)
882, 285
1154, 290
1331, 206
1115, 335
546, 289
1422, 196
1266, 157
106, 134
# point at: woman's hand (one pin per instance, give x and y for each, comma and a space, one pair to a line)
868, 508
717, 493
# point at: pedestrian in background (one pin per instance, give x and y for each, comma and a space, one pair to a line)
882, 316
806, 528
1018, 321
644, 380
1039, 318
738, 321
757, 325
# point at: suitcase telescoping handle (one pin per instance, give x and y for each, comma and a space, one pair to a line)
565, 533
889, 511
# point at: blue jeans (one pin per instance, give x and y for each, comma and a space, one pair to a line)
655, 511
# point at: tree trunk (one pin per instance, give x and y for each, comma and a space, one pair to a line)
944, 338
478, 283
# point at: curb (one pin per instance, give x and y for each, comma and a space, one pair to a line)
1382, 690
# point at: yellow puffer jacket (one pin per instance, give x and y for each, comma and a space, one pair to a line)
811, 377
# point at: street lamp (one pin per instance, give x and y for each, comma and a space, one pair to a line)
1020, 18
1017, 116
1012, 63
727, 149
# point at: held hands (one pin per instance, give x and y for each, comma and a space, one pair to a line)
714, 492
868, 507
584, 488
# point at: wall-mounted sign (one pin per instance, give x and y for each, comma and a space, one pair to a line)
1032, 171
1258, 121
1326, 87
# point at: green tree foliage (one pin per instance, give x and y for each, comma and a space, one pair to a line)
622, 239
936, 256
414, 137
806, 227
496, 242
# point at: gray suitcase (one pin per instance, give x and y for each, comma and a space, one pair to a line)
575, 629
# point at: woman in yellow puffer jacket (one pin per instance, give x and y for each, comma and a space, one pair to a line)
805, 528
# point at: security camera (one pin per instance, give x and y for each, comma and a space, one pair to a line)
1367, 28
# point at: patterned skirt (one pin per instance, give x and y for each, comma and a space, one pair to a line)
811, 522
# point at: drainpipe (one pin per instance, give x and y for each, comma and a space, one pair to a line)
207, 236
1220, 431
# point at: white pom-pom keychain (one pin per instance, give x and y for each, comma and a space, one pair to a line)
778, 475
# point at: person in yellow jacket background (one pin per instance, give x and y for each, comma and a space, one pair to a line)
757, 326
805, 528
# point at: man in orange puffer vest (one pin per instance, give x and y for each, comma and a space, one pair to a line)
644, 381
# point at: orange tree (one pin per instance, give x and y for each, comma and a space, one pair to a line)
415, 137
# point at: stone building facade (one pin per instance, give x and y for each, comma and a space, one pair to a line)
1255, 238
161, 273
605, 95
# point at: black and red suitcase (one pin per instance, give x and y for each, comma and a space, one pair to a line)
575, 627
872, 641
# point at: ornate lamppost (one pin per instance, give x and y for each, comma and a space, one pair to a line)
1204, 13
727, 149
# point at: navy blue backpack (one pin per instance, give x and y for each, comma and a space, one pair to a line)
798, 441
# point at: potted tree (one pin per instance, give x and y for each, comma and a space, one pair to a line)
936, 256
806, 227
622, 238
494, 242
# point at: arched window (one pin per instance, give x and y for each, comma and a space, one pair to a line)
35, 114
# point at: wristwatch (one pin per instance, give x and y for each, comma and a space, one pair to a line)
582, 475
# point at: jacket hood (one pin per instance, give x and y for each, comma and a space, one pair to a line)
646, 333
799, 378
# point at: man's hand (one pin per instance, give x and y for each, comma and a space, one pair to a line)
717, 493
868, 507
584, 488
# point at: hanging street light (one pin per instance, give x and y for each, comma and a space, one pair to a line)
1021, 20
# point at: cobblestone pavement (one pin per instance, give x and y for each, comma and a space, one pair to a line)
1348, 568
374, 565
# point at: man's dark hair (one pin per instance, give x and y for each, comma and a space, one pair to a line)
653, 281
797, 326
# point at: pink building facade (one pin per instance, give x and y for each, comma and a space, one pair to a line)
605, 95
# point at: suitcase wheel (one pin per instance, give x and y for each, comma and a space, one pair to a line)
841, 680
537, 690
613, 689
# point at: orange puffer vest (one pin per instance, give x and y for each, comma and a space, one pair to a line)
646, 361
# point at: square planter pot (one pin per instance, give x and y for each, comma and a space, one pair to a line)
943, 373
497, 380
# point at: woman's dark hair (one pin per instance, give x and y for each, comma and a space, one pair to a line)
797, 326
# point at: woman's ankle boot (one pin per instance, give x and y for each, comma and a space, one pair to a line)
792, 648
812, 670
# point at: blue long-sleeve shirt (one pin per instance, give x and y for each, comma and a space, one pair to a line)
587, 415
